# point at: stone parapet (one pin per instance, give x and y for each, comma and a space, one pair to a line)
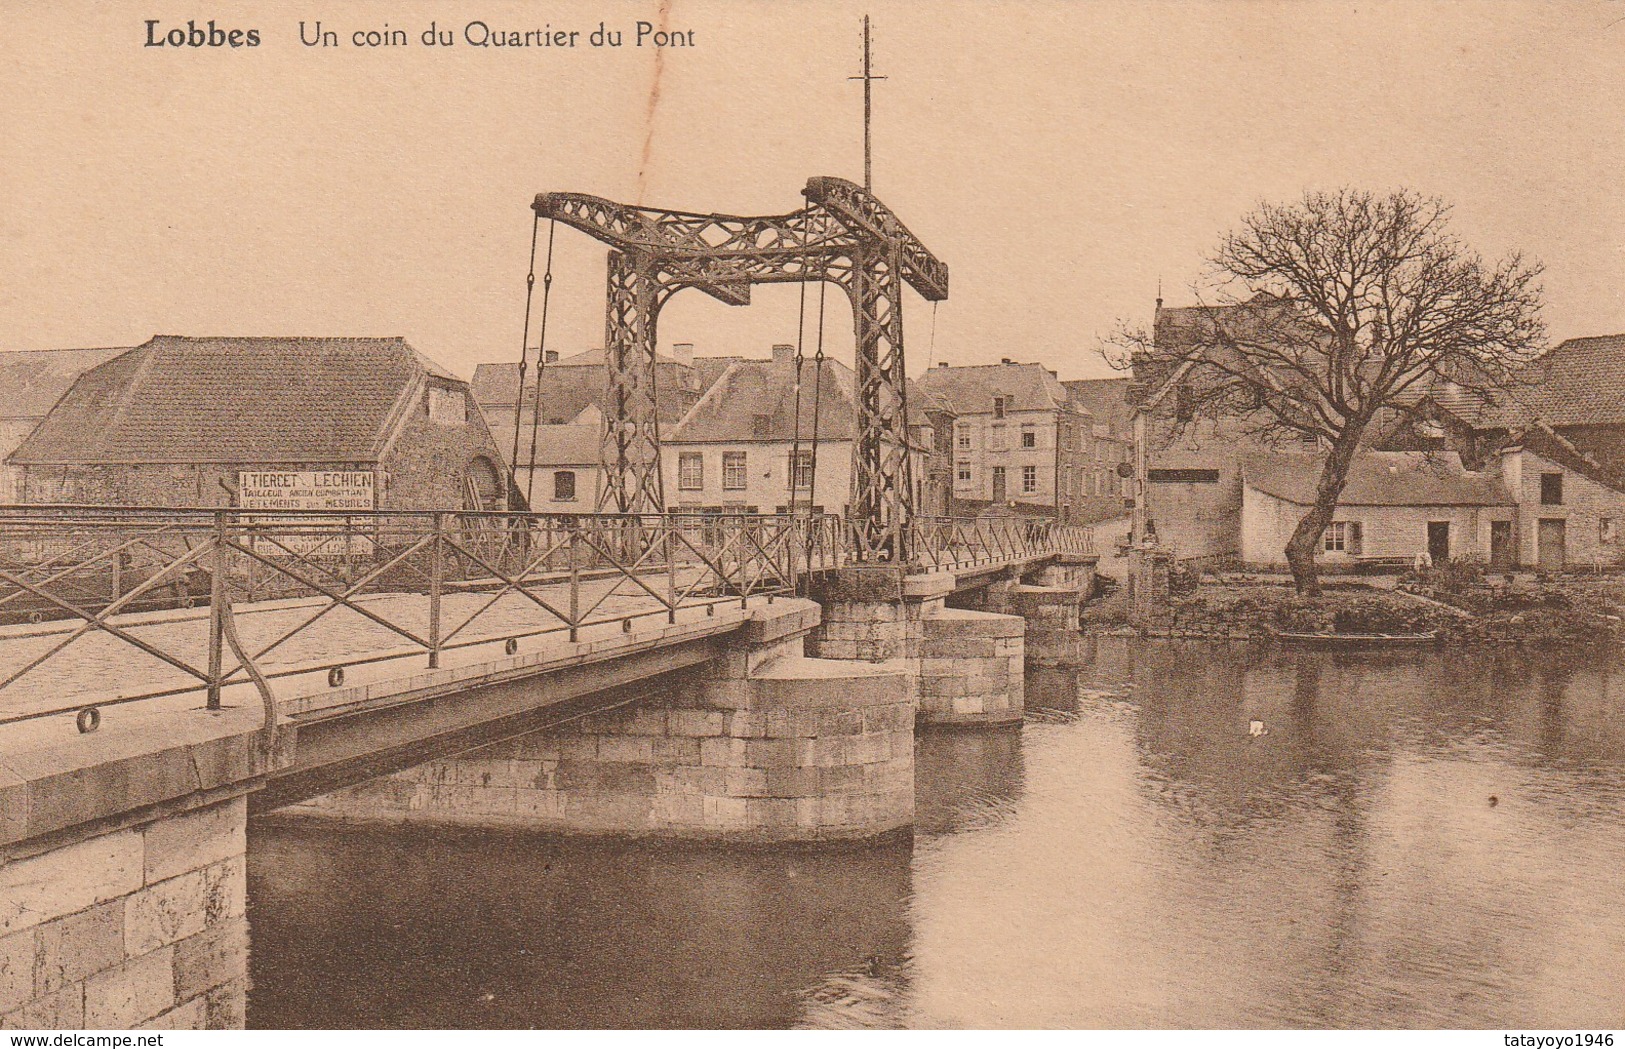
142, 927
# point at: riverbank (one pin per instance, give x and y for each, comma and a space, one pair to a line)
1575, 612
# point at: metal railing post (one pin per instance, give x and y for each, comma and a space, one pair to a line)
217, 602
574, 548
437, 580
671, 570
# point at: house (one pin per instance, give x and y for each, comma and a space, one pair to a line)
733, 451
1522, 510
1395, 507
1192, 497
1020, 443
1110, 402
568, 474
31, 382
565, 458
317, 423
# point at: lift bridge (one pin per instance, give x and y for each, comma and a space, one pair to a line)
845, 236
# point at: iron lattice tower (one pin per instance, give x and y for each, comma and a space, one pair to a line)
844, 235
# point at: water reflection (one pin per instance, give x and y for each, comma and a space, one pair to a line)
1414, 839
410, 929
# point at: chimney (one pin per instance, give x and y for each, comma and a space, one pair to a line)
1006, 360
784, 353
942, 364
1053, 374
552, 356
682, 352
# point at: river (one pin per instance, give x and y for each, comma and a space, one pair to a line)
1403, 839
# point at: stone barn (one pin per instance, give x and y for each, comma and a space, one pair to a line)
300, 423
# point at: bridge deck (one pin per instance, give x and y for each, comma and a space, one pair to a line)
99, 669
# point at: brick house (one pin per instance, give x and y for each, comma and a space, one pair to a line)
31, 382
181, 421
1021, 444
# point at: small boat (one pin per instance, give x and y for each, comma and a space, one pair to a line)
1335, 640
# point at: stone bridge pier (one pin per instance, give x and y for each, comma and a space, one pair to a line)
762, 745
964, 640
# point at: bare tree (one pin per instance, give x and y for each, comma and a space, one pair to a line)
1335, 312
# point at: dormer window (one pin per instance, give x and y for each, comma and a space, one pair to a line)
999, 405
761, 426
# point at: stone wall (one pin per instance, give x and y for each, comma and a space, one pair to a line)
142, 927
764, 745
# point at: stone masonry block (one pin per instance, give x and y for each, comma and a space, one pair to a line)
210, 957
164, 913
196, 839
79, 945
17, 977
226, 1007
188, 1016
35, 889
64, 1008
132, 993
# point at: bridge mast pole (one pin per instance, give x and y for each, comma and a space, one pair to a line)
631, 447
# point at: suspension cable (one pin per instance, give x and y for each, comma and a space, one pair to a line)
541, 361
818, 393
795, 438
524, 352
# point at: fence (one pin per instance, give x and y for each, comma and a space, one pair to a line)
201, 600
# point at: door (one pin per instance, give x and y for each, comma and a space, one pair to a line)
998, 484
1553, 539
1439, 541
1501, 557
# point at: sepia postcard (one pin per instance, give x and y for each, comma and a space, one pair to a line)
731, 515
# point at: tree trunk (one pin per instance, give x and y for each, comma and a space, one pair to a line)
1305, 541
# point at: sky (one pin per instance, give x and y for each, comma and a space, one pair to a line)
1062, 159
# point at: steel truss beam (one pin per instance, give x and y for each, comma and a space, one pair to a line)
844, 235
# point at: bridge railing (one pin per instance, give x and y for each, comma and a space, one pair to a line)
101, 606
969, 542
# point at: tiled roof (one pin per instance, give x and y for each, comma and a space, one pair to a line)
969, 390
32, 381
186, 400
571, 384
568, 445
1581, 382
1379, 479
752, 388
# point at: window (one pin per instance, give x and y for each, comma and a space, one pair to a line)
1607, 531
733, 470
690, 472
1342, 537
761, 426
995, 438
964, 474
1029, 435
1029, 478
1551, 489
999, 404
564, 486
1182, 476
963, 430
803, 469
